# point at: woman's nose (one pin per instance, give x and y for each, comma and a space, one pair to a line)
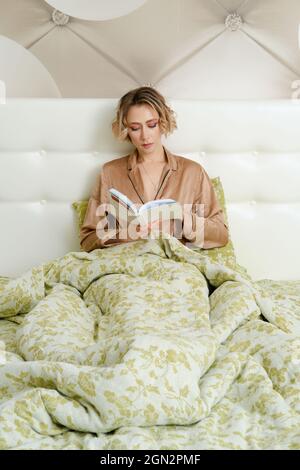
144, 132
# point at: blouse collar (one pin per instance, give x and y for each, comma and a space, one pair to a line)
171, 160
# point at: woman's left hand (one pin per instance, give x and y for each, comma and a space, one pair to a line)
161, 226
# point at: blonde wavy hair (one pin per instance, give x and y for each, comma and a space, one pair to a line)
138, 96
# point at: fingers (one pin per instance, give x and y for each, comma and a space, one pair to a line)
154, 228
147, 229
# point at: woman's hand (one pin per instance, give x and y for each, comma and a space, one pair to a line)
155, 228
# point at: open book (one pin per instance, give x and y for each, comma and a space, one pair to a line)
126, 210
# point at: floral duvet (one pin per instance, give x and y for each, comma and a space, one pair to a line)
148, 345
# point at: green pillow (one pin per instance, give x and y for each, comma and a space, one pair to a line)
80, 208
224, 254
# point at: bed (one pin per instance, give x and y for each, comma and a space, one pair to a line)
151, 344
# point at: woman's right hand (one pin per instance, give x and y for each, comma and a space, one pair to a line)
145, 230
156, 227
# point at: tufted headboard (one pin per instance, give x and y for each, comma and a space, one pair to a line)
52, 149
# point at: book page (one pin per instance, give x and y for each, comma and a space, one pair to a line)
161, 212
156, 202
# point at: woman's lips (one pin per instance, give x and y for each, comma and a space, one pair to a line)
147, 145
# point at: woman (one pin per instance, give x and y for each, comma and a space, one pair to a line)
153, 172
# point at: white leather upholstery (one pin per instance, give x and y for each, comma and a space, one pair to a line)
51, 151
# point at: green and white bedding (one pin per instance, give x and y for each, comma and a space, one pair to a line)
124, 348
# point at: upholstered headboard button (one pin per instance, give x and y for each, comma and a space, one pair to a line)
59, 18
233, 22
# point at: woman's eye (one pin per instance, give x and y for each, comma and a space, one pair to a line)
137, 128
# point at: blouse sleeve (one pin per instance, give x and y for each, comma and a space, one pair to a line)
95, 231
203, 224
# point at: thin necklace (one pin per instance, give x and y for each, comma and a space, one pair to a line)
155, 186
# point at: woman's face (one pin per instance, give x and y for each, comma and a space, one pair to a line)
143, 128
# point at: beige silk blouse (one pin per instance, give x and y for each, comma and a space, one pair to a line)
182, 179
